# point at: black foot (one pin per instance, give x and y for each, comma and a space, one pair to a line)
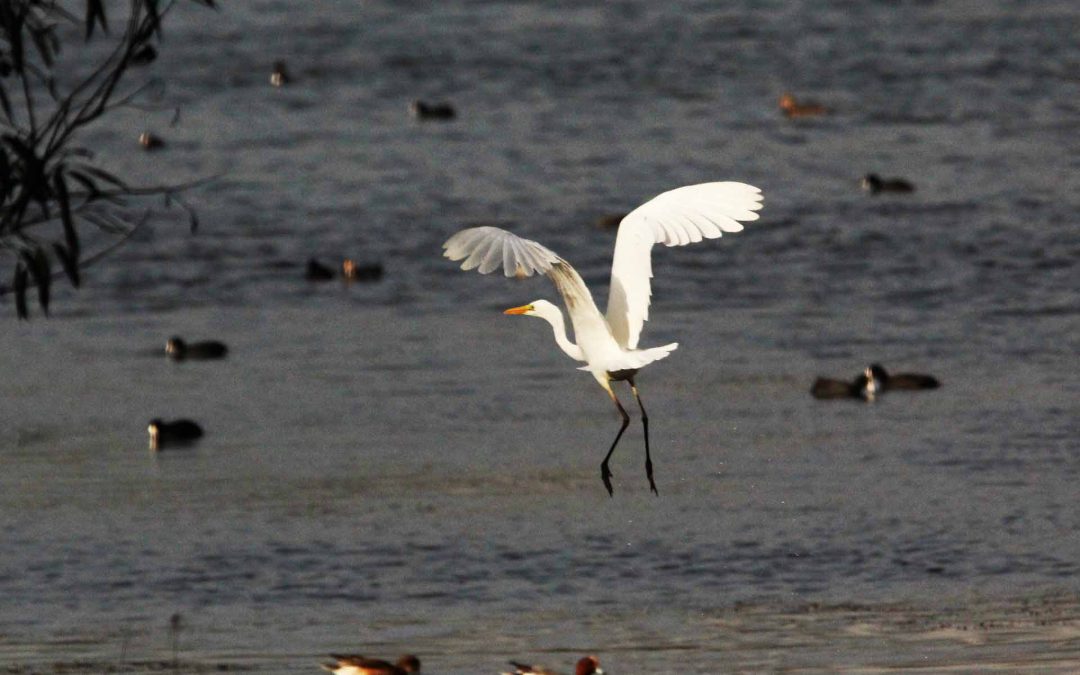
605, 475
648, 472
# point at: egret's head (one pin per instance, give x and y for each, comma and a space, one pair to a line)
535, 308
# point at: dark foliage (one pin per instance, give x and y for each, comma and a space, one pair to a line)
51, 190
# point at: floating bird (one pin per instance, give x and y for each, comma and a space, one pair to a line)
180, 432
608, 345
902, 381
316, 271
873, 381
793, 108
354, 664
874, 184
590, 665
179, 350
149, 141
432, 111
353, 271
609, 221
828, 388
279, 76
144, 55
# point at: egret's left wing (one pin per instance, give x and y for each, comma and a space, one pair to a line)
675, 218
488, 247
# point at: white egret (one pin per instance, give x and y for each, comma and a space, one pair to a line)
608, 345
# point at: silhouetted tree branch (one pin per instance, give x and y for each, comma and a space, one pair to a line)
51, 190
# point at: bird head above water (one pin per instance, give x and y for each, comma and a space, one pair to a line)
175, 347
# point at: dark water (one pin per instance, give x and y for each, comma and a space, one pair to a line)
397, 466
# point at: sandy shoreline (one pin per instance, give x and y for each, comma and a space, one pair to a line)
1036, 634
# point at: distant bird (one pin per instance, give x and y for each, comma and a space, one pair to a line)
610, 221
590, 665
149, 141
874, 184
792, 108
144, 55
316, 271
608, 345
827, 388
279, 76
178, 349
356, 272
432, 111
355, 664
901, 381
180, 432
873, 381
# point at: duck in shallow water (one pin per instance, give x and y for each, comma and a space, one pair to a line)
178, 432
150, 141
279, 76
432, 111
875, 184
178, 350
316, 271
352, 271
355, 664
590, 665
873, 382
792, 108
901, 381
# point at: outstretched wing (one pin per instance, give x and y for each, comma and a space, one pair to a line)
487, 248
675, 218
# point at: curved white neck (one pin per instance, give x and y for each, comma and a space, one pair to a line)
558, 326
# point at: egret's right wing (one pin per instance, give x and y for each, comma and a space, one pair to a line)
675, 218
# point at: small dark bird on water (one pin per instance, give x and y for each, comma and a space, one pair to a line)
792, 108
316, 271
144, 55
179, 350
610, 221
590, 665
901, 381
355, 664
432, 111
149, 141
875, 184
178, 432
279, 76
873, 381
353, 271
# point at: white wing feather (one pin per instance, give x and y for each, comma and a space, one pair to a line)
675, 218
488, 248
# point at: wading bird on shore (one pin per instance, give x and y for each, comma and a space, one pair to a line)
355, 664
609, 344
590, 665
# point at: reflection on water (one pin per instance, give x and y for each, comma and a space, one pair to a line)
395, 466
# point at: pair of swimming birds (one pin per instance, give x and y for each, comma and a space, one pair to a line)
355, 664
871, 383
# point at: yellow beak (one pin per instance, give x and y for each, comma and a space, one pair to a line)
524, 309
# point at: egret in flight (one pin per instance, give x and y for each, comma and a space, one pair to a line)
608, 344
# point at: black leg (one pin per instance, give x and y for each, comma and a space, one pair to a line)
645, 423
605, 472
